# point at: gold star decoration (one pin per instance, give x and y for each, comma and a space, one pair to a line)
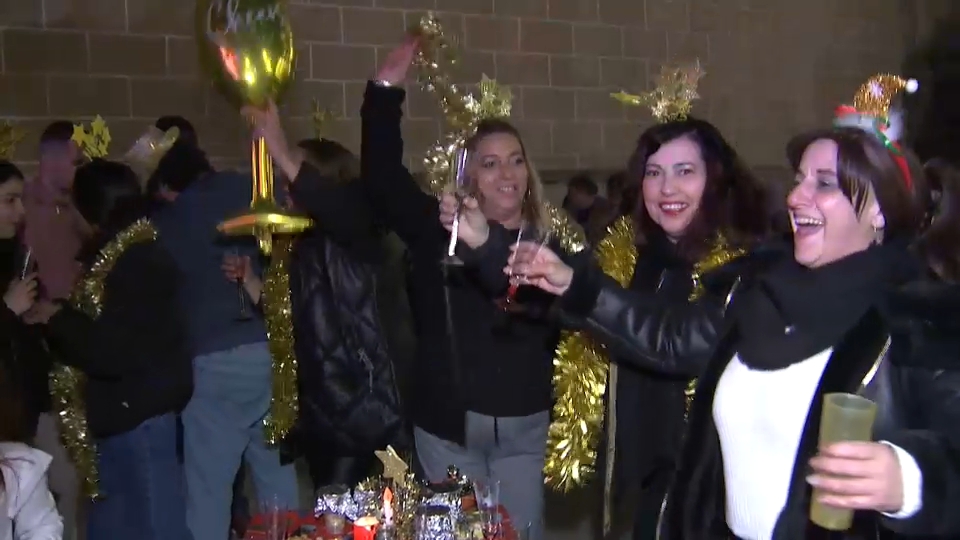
394, 468
95, 142
10, 136
673, 97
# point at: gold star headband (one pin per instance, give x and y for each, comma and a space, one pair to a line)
321, 118
10, 136
95, 141
673, 97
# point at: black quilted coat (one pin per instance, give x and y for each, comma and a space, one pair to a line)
349, 318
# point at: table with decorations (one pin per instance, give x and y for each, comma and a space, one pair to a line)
393, 506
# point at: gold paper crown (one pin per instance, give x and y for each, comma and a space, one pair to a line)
673, 97
321, 118
874, 96
10, 136
491, 101
95, 142
149, 149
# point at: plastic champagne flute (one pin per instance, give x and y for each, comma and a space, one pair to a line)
845, 417
458, 184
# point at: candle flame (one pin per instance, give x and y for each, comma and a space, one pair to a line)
388, 506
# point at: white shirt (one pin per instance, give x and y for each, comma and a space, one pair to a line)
27, 509
760, 417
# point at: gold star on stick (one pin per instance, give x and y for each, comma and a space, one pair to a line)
394, 468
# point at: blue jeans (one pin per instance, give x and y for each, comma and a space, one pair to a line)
222, 427
142, 485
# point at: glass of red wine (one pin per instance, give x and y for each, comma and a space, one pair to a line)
530, 235
458, 186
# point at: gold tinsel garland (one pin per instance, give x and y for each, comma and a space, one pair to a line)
277, 314
435, 61
580, 378
67, 383
581, 365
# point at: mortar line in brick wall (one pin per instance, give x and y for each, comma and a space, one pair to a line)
3, 55
340, 22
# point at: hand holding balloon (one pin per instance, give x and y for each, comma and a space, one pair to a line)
266, 124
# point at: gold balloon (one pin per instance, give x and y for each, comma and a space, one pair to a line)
246, 47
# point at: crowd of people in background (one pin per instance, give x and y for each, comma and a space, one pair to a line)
721, 341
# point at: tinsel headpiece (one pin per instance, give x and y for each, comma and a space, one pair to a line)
871, 111
462, 110
10, 136
320, 118
673, 97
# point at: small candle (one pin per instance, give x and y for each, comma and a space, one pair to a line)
388, 507
365, 527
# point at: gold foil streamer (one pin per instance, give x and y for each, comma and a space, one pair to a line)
580, 377
278, 316
874, 96
93, 142
673, 97
10, 137
67, 383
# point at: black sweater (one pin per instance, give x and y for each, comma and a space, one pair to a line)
480, 360
135, 354
24, 357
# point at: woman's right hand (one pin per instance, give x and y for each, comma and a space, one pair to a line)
236, 268
394, 69
21, 294
473, 229
535, 264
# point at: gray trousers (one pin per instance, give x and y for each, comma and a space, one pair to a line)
508, 449
61, 477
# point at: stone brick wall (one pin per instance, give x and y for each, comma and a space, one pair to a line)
773, 66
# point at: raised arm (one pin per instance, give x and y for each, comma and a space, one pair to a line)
337, 205
642, 329
396, 197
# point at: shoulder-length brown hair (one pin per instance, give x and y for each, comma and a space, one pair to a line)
865, 164
533, 201
331, 158
734, 201
940, 243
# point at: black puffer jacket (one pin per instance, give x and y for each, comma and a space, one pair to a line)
349, 319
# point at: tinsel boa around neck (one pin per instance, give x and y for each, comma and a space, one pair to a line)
582, 366
67, 383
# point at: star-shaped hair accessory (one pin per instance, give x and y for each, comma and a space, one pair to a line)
394, 468
95, 142
673, 97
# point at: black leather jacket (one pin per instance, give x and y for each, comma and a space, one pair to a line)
349, 319
906, 353
660, 340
